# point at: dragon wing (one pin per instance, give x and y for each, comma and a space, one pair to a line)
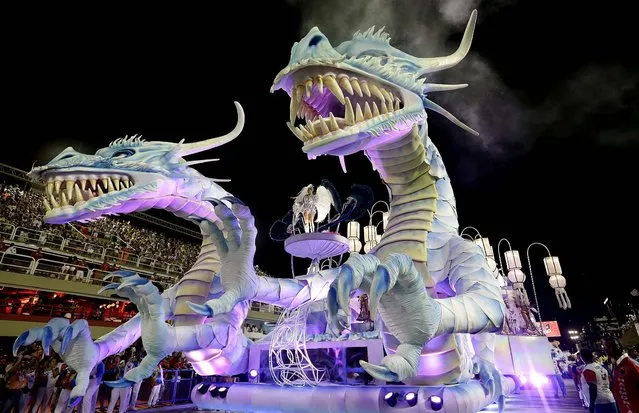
323, 202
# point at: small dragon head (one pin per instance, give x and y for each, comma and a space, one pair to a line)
376, 93
129, 175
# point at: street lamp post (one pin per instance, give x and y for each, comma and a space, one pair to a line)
487, 249
371, 236
556, 279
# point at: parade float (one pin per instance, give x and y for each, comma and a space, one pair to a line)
410, 323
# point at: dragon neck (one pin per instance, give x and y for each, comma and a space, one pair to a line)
195, 285
403, 168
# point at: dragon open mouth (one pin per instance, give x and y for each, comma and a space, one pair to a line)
64, 190
337, 102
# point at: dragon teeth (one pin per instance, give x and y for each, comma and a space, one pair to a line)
309, 88
332, 85
345, 84
77, 193
322, 123
361, 100
333, 122
364, 85
367, 111
359, 116
349, 115
375, 109
356, 87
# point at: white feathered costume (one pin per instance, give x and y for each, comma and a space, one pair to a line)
313, 207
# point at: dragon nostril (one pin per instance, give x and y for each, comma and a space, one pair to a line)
315, 40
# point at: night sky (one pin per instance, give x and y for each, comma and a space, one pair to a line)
553, 93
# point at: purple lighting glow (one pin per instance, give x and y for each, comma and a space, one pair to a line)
388, 395
537, 379
253, 373
410, 396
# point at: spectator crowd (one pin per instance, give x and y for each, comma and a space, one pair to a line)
24, 209
32, 382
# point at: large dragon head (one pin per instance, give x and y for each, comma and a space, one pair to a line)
362, 93
128, 175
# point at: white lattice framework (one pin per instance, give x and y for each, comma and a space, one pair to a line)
289, 362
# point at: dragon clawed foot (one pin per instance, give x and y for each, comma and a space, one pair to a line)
393, 286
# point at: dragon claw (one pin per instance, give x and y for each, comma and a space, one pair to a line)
333, 307
233, 200
119, 383
200, 309
379, 372
75, 401
120, 273
112, 286
380, 285
345, 285
47, 338
22, 338
132, 283
68, 335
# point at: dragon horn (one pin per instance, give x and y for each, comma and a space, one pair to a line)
184, 149
429, 104
435, 64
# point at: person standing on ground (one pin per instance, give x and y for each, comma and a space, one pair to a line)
91, 397
625, 377
601, 398
157, 381
557, 378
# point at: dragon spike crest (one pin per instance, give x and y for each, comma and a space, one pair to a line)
184, 149
435, 64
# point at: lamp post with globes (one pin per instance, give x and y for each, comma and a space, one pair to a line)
371, 237
487, 249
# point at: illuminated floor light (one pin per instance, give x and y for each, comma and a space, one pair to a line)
223, 392
201, 389
391, 398
214, 391
411, 398
436, 402
253, 373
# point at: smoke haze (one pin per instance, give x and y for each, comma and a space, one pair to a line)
423, 29
508, 125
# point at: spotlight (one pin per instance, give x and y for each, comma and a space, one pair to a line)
214, 391
391, 398
253, 373
436, 402
523, 379
201, 389
223, 392
411, 398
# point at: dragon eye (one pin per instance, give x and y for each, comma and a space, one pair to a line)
315, 40
124, 153
69, 155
